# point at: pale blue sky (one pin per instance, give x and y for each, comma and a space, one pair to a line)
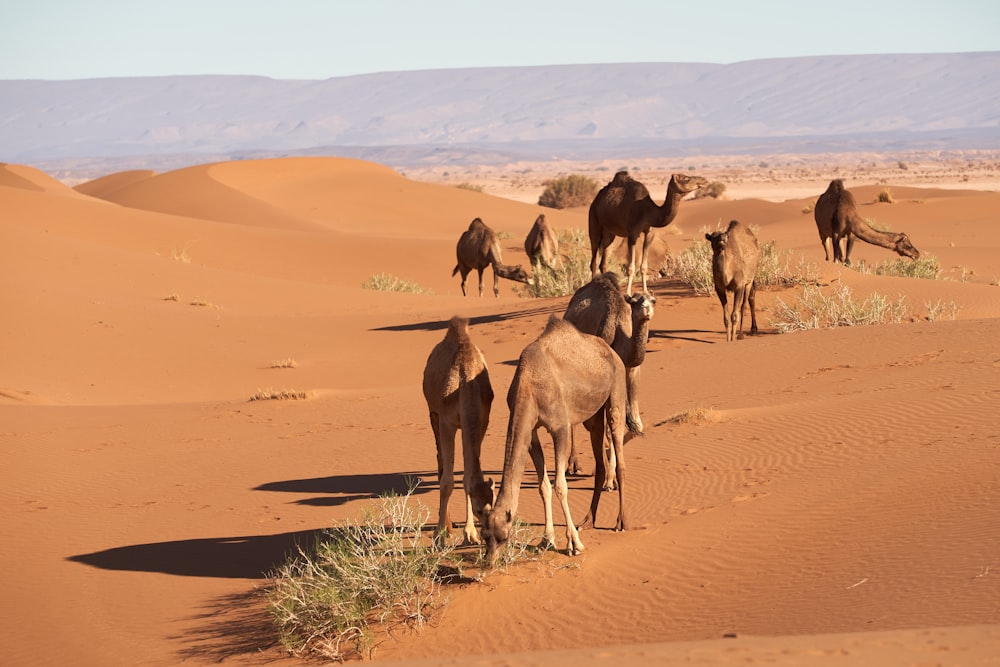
317, 39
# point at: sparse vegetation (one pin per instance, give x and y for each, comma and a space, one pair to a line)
715, 190
344, 595
926, 267
278, 395
885, 197
573, 271
172, 297
816, 310
470, 186
283, 363
694, 267
384, 282
694, 416
940, 310
568, 191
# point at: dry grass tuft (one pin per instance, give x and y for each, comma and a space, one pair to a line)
278, 395
695, 416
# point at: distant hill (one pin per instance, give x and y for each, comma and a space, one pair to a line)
470, 115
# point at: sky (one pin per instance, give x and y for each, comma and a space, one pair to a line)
319, 39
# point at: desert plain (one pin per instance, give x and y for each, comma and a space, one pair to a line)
836, 502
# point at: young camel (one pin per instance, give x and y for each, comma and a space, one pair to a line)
624, 208
477, 248
563, 378
735, 256
601, 309
542, 244
838, 223
459, 395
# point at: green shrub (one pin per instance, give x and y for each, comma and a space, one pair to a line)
573, 271
384, 282
568, 191
925, 267
816, 310
341, 597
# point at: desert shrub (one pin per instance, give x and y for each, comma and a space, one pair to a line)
384, 282
343, 595
568, 191
925, 267
278, 395
816, 310
775, 270
715, 189
573, 271
940, 310
885, 197
470, 186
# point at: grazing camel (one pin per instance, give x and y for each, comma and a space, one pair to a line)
563, 378
459, 395
735, 256
601, 309
542, 245
838, 223
477, 248
624, 208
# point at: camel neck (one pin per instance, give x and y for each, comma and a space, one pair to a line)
868, 234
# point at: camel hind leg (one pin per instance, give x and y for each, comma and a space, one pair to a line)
595, 427
616, 426
444, 437
560, 437
544, 490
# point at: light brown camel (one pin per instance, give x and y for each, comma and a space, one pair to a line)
542, 244
735, 256
624, 208
838, 223
601, 309
459, 395
563, 378
477, 248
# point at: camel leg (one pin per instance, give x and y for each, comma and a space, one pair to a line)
465, 276
644, 264
616, 424
847, 250
595, 427
632, 375
472, 441
444, 434
496, 283
740, 304
480, 271
561, 439
631, 265
828, 247
573, 466
753, 307
723, 300
544, 490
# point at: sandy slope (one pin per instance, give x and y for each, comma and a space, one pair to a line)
838, 507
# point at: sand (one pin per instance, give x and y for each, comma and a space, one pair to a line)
837, 504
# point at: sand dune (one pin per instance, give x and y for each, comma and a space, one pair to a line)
836, 504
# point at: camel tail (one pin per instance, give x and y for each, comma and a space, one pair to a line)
454, 271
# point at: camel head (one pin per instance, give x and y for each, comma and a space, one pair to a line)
687, 184
514, 272
642, 307
718, 240
496, 531
903, 247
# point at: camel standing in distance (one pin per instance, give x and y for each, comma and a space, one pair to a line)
477, 248
563, 378
542, 244
838, 223
735, 256
624, 208
459, 396
600, 309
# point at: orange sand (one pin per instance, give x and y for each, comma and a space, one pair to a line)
840, 507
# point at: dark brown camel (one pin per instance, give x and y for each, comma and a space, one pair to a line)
459, 395
563, 378
838, 223
624, 208
601, 309
735, 256
477, 248
542, 244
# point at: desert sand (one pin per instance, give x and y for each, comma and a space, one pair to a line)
839, 504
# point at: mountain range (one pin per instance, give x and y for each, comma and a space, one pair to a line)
867, 102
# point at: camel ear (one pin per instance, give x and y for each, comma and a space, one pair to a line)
708, 237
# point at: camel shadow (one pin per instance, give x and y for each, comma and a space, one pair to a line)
441, 325
236, 557
229, 626
341, 489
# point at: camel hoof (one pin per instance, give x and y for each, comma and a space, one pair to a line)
546, 545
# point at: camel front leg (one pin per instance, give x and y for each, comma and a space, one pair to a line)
561, 439
544, 490
631, 264
616, 424
444, 435
496, 283
480, 271
739, 304
644, 264
752, 299
595, 427
723, 299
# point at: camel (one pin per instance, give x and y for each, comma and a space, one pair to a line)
838, 223
542, 245
459, 395
735, 256
563, 378
477, 248
601, 309
624, 208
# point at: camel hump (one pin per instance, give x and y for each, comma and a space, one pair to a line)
621, 178
458, 328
